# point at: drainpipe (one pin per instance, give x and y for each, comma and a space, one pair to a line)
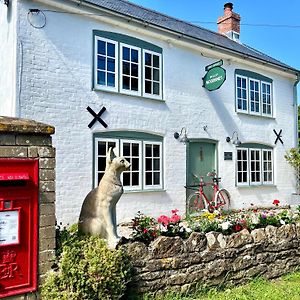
296, 108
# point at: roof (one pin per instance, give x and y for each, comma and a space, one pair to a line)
151, 17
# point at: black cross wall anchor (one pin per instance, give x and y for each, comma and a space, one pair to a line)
97, 116
278, 136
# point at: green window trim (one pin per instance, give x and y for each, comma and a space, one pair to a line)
255, 145
143, 138
253, 75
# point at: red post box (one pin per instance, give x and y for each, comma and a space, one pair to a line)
18, 226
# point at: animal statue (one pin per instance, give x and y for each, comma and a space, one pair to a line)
98, 212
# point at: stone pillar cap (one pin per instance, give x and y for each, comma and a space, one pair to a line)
18, 125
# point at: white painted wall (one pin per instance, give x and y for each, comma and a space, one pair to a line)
7, 59
56, 89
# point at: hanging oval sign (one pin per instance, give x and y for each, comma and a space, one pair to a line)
214, 78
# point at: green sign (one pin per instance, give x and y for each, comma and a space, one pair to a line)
214, 78
218, 63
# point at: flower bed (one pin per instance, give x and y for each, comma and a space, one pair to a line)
214, 249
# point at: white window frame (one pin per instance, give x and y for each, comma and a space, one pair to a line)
106, 87
152, 187
153, 96
124, 91
254, 101
247, 94
271, 97
116, 151
250, 167
246, 183
133, 187
261, 171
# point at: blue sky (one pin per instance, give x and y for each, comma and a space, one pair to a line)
272, 26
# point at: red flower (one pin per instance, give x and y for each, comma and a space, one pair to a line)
145, 230
174, 211
237, 227
175, 218
276, 202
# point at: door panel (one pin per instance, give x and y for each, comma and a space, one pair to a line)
201, 160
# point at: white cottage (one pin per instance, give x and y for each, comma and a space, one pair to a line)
64, 61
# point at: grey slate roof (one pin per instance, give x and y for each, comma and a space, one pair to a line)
152, 17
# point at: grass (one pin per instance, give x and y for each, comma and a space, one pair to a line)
285, 288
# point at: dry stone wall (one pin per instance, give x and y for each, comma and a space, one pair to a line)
213, 259
21, 138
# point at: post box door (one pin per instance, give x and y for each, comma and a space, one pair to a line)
18, 226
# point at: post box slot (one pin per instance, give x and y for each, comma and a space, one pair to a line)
13, 183
13, 179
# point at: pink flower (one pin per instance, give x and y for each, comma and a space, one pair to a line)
237, 227
276, 202
145, 230
164, 220
175, 218
174, 211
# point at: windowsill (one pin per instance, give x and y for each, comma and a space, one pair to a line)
256, 116
255, 186
128, 95
144, 191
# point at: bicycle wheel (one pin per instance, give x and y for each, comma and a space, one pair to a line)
195, 203
222, 199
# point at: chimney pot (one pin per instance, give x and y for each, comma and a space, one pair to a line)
228, 6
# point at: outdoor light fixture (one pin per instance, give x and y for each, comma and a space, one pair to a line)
234, 139
182, 136
6, 2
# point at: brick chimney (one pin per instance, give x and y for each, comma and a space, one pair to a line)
229, 24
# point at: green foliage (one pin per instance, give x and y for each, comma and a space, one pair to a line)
204, 225
87, 270
293, 158
144, 228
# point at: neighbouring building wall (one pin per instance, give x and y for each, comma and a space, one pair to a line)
57, 88
8, 59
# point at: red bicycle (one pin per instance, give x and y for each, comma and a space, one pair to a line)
198, 200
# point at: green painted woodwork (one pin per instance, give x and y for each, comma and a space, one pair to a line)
201, 159
253, 75
132, 135
122, 38
214, 78
254, 145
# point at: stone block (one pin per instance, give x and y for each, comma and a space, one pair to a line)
13, 151
285, 233
47, 163
196, 242
46, 152
242, 262
47, 232
45, 267
136, 250
33, 140
47, 186
239, 239
7, 139
258, 235
47, 209
47, 220
47, 174
33, 151
47, 255
46, 244
166, 247
48, 197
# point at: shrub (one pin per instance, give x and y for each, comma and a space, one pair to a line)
293, 158
87, 270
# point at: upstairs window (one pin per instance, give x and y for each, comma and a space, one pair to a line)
127, 65
253, 93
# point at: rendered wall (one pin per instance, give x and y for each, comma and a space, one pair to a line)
8, 37
57, 87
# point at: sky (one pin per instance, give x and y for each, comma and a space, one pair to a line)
270, 26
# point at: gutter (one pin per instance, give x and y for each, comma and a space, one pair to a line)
296, 110
182, 35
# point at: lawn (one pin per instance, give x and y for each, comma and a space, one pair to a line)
287, 287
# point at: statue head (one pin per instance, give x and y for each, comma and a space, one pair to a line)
119, 163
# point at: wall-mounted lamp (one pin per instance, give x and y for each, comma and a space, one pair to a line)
182, 136
6, 2
234, 139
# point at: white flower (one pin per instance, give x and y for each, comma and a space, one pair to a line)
254, 219
188, 230
225, 225
282, 222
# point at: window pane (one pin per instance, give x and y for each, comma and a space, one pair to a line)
101, 148
156, 152
126, 149
148, 178
134, 70
126, 54
156, 61
156, 178
101, 47
126, 179
148, 74
135, 164
135, 149
156, 164
148, 164
135, 178
156, 88
110, 49
110, 64
148, 151
148, 61
111, 145
148, 86
101, 78
134, 56
156, 74
126, 68
101, 63
134, 84
101, 163
110, 79
125, 83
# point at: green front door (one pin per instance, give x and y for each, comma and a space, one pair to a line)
201, 159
